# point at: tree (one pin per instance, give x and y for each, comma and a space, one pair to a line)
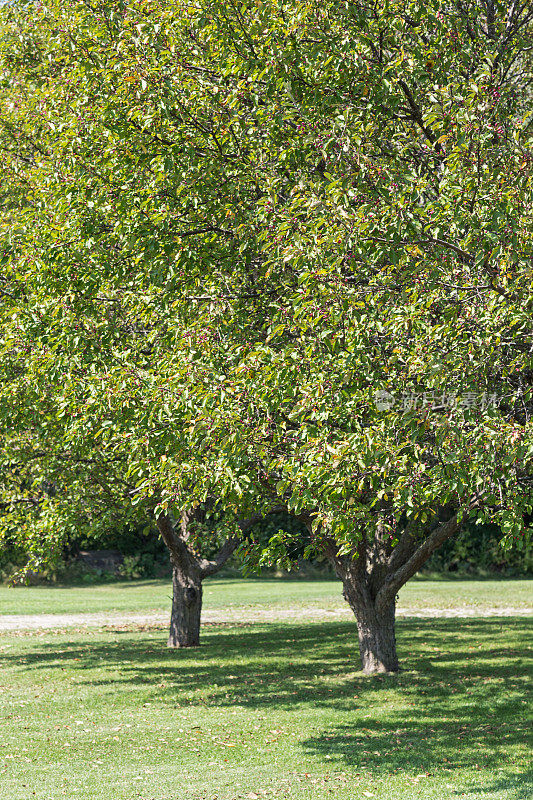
282, 251
189, 569
55, 481
49, 490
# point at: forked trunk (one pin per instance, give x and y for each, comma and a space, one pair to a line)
186, 610
377, 639
188, 571
374, 572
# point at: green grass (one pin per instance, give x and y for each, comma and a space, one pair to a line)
266, 711
154, 595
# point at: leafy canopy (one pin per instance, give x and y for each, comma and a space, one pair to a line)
231, 225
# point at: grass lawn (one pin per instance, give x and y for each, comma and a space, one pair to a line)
266, 711
155, 595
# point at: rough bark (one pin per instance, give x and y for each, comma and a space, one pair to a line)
186, 609
188, 572
377, 640
376, 630
372, 575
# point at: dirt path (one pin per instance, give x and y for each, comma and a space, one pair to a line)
249, 614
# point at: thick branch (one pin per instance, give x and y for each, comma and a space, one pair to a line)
437, 537
351, 569
182, 555
207, 566
207, 229
395, 582
211, 566
378, 557
416, 112
403, 550
431, 241
179, 552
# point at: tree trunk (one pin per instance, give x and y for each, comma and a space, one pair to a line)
377, 639
188, 571
186, 610
373, 573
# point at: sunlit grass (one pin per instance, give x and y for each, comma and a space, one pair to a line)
155, 595
267, 710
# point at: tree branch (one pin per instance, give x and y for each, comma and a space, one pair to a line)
403, 550
207, 229
416, 112
430, 241
211, 566
179, 552
438, 536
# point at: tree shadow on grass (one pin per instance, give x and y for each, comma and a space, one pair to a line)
278, 663
460, 702
466, 701
440, 737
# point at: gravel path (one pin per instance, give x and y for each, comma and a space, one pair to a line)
250, 614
